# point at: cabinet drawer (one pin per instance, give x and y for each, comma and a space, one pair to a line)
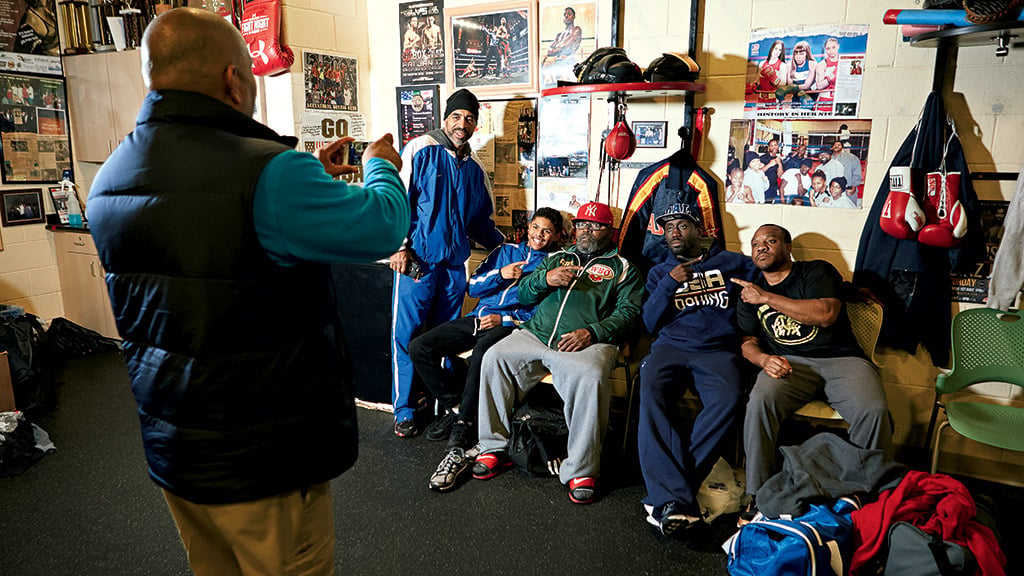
74, 242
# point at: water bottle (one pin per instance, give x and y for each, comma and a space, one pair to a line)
74, 208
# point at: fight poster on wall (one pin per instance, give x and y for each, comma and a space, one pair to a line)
974, 287
28, 37
422, 42
331, 82
563, 154
419, 111
805, 71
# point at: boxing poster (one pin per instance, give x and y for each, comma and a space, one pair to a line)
492, 48
814, 163
422, 42
973, 287
331, 82
28, 37
419, 111
567, 36
805, 71
563, 154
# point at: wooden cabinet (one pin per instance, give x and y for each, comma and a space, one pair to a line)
82, 284
105, 92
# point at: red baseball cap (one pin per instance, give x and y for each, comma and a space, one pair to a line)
595, 212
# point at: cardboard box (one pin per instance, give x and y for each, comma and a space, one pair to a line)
6, 385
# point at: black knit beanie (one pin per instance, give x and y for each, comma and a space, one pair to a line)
462, 100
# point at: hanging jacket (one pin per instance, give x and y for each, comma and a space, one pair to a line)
912, 279
675, 180
1008, 266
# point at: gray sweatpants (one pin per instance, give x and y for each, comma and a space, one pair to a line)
514, 365
850, 384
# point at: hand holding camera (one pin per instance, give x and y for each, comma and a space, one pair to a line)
346, 155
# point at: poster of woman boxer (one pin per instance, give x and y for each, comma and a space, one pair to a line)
805, 71
492, 48
331, 82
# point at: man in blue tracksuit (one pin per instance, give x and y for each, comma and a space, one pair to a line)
496, 284
691, 311
450, 197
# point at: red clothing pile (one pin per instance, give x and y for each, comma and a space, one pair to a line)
934, 503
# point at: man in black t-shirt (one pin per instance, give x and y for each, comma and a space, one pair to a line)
796, 330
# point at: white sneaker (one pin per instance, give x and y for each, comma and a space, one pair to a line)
447, 473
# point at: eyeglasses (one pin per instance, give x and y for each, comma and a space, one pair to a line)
593, 226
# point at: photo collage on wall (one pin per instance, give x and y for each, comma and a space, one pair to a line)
801, 141
34, 132
504, 142
331, 82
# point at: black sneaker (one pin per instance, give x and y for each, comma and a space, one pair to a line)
441, 427
461, 435
670, 520
447, 473
405, 429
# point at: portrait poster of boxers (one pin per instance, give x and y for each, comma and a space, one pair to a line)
28, 37
331, 82
493, 48
805, 71
814, 163
567, 37
418, 111
422, 42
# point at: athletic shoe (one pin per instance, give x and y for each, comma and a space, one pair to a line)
405, 429
461, 435
670, 520
490, 465
581, 490
441, 427
447, 473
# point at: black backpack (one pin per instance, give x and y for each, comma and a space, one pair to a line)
540, 436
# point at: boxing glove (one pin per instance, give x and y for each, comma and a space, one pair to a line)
770, 76
946, 222
902, 216
261, 28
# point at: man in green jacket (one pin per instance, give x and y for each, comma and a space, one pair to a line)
588, 299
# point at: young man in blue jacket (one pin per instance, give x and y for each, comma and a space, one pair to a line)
496, 283
450, 197
691, 311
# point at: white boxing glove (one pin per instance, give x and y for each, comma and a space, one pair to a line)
902, 216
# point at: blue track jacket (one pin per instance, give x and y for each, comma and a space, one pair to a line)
499, 295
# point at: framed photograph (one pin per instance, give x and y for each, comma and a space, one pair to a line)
568, 34
36, 144
419, 111
650, 134
492, 48
22, 207
331, 82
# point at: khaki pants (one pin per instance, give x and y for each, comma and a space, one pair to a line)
287, 534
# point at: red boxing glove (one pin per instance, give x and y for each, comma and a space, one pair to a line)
261, 28
901, 216
947, 219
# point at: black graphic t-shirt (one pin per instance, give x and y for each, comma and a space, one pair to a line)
781, 335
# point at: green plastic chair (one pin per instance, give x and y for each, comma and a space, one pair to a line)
988, 346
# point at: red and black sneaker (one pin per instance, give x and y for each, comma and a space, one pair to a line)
582, 490
490, 465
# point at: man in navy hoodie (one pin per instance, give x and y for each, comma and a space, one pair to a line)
691, 311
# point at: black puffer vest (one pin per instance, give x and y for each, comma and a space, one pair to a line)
235, 362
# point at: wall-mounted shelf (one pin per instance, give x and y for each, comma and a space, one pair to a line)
1001, 35
648, 89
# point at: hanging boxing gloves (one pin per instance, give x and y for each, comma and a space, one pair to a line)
902, 216
946, 219
261, 28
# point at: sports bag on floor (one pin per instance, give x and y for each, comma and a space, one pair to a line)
914, 552
818, 543
539, 438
